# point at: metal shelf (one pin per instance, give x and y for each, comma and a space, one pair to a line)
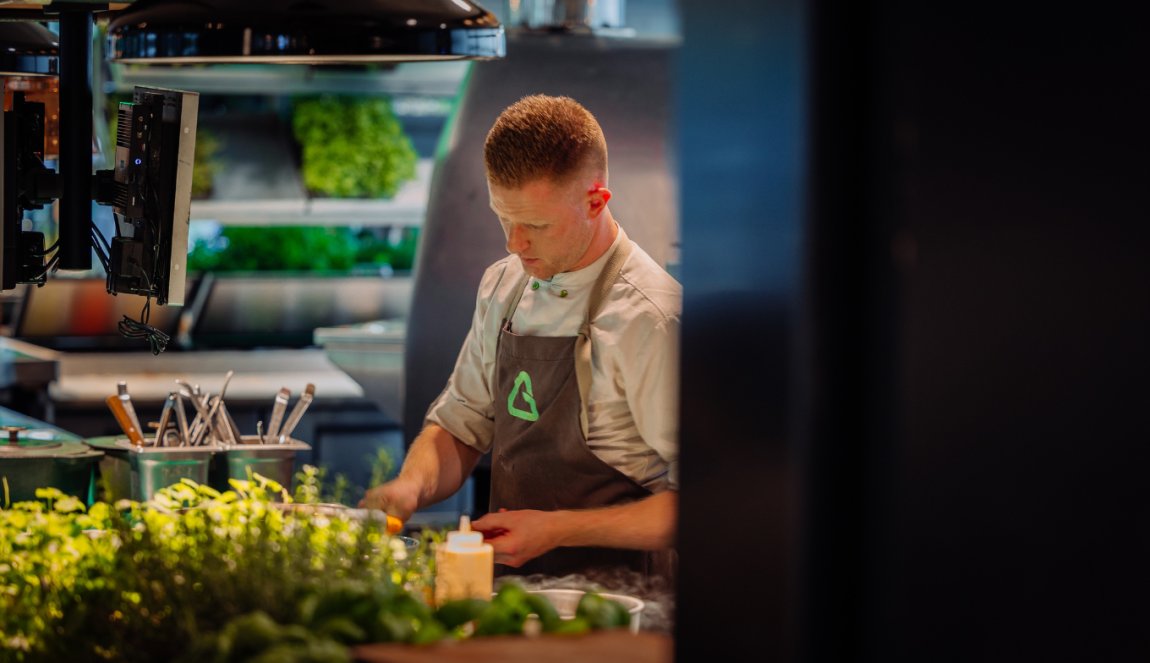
406, 208
432, 79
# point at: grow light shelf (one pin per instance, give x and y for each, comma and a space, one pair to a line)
258, 182
407, 208
436, 79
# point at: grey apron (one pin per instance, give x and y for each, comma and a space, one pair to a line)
540, 458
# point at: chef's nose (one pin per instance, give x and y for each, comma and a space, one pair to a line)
516, 240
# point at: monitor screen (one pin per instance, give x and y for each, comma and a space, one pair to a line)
155, 148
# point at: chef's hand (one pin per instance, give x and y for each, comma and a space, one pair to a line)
399, 498
517, 537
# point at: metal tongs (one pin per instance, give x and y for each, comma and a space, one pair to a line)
211, 421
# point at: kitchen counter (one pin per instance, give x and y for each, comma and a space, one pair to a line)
87, 378
36, 429
26, 366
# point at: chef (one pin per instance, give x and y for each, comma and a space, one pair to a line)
569, 373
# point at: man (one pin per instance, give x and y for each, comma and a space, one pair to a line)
569, 374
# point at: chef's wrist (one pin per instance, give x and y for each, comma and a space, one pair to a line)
569, 528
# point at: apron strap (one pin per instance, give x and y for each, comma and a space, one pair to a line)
583, 343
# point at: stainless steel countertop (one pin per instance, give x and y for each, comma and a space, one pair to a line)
87, 378
26, 365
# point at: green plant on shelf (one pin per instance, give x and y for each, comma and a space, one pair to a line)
291, 248
303, 249
352, 147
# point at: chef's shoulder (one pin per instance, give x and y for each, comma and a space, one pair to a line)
499, 281
648, 290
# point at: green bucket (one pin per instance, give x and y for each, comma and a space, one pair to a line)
66, 465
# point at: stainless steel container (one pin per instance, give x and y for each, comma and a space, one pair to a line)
154, 468
136, 473
274, 461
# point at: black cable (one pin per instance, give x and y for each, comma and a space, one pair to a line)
100, 254
134, 329
49, 268
140, 329
45, 252
103, 241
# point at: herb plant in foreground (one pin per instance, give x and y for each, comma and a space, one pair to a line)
200, 575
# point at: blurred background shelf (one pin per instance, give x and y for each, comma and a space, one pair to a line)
438, 79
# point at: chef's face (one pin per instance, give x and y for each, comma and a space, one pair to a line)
549, 225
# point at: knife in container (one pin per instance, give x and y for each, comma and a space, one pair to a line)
282, 398
301, 405
165, 419
116, 405
129, 409
182, 421
230, 425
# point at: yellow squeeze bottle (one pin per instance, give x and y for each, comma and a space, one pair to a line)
465, 566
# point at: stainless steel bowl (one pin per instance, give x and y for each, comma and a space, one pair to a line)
567, 600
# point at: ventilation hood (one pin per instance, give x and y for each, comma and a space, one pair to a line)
28, 49
303, 31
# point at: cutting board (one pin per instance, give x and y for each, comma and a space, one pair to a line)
618, 646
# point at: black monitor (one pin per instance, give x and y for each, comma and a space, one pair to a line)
155, 148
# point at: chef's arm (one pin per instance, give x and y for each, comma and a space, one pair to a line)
436, 466
520, 536
648, 524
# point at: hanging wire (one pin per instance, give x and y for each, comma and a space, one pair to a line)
102, 250
49, 268
140, 329
45, 252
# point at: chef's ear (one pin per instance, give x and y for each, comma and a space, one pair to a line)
597, 199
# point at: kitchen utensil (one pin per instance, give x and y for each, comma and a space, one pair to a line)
182, 420
206, 430
129, 409
165, 419
260, 432
130, 428
301, 406
282, 398
192, 393
230, 425
218, 414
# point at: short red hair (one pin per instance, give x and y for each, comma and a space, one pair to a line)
543, 137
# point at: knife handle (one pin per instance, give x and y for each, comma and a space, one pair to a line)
281, 401
117, 407
297, 412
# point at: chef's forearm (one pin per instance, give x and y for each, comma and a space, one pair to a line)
438, 464
648, 524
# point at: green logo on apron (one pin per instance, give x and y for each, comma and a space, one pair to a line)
522, 384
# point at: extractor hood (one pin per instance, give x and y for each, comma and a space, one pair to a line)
303, 31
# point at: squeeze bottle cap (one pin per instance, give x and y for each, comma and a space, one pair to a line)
464, 537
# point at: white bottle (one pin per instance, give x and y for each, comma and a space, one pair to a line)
465, 566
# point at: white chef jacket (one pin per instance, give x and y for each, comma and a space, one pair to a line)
633, 403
